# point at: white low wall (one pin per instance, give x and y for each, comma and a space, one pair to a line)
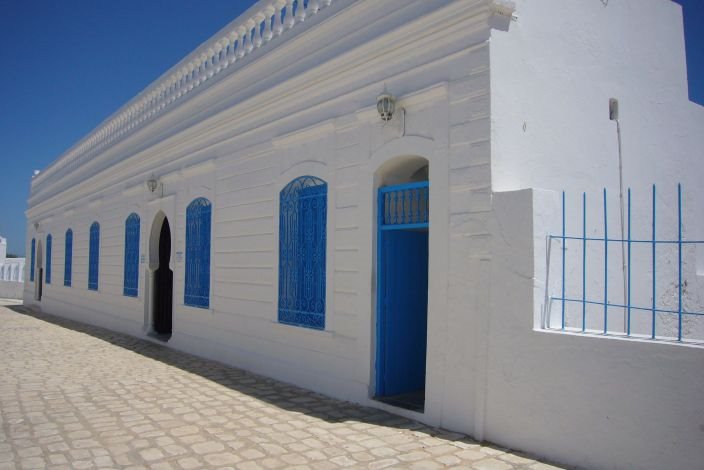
589, 401
11, 289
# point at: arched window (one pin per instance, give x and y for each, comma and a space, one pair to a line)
302, 235
31, 267
94, 256
131, 255
68, 257
197, 289
48, 259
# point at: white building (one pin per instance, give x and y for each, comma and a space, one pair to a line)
11, 274
11, 269
252, 206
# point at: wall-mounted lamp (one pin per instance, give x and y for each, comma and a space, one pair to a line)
152, 184
386, 105
36, 226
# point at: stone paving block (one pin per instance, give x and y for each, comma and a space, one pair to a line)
78, 396
492, 464
189, 463
33, 462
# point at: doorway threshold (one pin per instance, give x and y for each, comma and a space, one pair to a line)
413, 401
163, 337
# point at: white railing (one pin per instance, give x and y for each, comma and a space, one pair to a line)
12, 270
265, 20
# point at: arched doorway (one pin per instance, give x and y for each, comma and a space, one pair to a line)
402, 282
160, 256
39, 280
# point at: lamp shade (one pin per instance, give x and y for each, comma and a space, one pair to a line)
386, 104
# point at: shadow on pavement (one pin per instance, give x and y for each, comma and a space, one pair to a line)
273, 392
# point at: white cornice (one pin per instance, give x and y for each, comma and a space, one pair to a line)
257, 26
198, 168
326, 86
305, 135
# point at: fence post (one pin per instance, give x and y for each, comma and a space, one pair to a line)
584, 261
564, 247
679, 261
653, 257
606, 267
628, 301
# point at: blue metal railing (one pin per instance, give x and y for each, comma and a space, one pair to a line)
404, 206
196, 292
629, 242
94, 256
68, 257
131, 264
302, 258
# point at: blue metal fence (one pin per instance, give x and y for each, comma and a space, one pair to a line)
94, 256
68, 257
131, 274
302, 245
628, 243
197, 282
48, 259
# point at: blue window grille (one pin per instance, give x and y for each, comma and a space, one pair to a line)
404, 206
302, 242
31, 267
68, 257
131, 278
590, 304
48, 259
94, 256
197, 288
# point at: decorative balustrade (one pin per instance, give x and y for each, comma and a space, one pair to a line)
264, 21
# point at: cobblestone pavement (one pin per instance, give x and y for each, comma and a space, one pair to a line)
74, 396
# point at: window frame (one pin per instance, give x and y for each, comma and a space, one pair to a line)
197, 266
94, 257
296, 247
130, 281
68, 257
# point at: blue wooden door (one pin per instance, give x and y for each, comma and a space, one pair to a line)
404, 311
402, 296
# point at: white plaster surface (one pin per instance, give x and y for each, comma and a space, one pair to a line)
305, 104
11, 270
320, 119
586, 400
11, 290
552, 75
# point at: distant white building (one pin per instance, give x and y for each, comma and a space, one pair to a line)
11, 269
11, 274
364, 198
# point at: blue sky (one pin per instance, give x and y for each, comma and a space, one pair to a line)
67, 65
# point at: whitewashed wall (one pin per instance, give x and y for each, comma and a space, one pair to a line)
305, 104
584, 400
311, 111
592, 402
553, 73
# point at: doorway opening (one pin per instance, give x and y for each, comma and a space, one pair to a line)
39, 284
402, 292
163, 286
